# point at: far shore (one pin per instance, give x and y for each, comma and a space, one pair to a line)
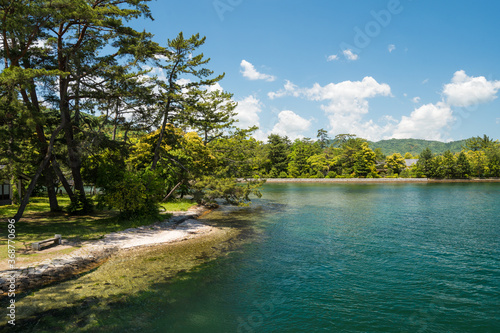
379, 180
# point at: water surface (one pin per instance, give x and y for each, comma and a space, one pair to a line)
336, 258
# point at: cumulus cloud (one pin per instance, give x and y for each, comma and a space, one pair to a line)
354, 123
291, 124
466, 90
391, 47
349, 55
214, 87
248, 111
348, 96
345, 104
426, 122
416, 100
332, 57
248, 70
289, 89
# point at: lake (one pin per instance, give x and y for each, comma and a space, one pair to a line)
318, 258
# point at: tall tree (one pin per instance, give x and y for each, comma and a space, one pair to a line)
81, 37
425, 162
278, 149
210, 113
463, 168
178, 62
323, 138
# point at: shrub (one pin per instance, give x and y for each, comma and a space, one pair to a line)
331, 174
137, 194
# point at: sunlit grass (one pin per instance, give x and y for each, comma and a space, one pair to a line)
178, 205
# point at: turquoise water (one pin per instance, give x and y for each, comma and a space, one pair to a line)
336, 258
357, 258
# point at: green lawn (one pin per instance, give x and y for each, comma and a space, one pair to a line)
177, 205
38, 223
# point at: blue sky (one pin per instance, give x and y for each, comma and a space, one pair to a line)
377, 69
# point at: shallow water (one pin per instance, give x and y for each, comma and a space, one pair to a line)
318, 258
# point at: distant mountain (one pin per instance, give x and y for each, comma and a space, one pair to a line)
415, 146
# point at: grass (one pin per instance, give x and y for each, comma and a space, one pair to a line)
39, 223
177, 205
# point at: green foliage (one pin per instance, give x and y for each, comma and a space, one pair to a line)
477, 143
104, 168
318, 163
301, 151
80, 205
208, 189
462, 167
277, 151
364, 165
331, 174
137, 194
210, 113
395, 162
238, 155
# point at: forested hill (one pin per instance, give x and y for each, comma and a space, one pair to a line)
415, 146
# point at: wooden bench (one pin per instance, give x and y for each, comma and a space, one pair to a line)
38, 245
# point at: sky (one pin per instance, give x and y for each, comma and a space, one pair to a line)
378, 69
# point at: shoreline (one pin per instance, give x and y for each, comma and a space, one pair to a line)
378, 180
182, 226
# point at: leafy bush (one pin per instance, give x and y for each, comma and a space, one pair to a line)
136, 194
331, 174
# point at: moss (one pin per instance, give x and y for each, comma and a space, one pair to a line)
131, 277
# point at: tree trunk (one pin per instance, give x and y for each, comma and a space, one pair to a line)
49, 183
156, 157
115, 125
172, 191
63, 180
73, 154
42, 167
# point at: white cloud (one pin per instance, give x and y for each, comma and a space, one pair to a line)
289, 89
291, 124
344, 95
425, 81
353, 123
332, 57
215, 87
466, 90
161, 57
391, 47
427, 122
416, 100
248, 70
248, 111
346, 103
349, 55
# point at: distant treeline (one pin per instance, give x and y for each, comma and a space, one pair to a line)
347, 156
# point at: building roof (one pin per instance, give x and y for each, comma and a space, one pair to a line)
410, 162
